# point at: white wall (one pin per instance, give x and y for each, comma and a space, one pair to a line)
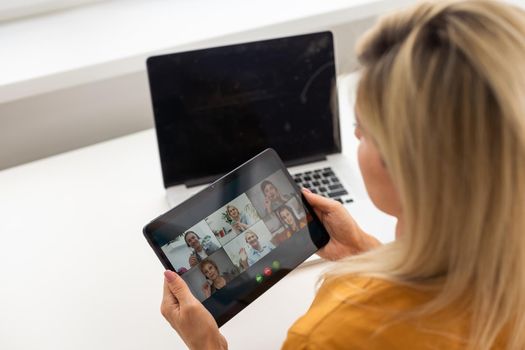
51, 123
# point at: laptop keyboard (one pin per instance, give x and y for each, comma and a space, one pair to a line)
324, 182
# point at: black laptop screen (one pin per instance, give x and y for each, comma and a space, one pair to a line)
215, 108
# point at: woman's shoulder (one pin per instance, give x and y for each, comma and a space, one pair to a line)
363, 312
348, 294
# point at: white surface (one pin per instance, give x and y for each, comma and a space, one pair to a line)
114, 38
76, 272
13, 9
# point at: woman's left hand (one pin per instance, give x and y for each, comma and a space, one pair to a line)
188, 317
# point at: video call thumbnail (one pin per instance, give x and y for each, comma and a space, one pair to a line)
249, 247
232, 219
228, 241
210, 275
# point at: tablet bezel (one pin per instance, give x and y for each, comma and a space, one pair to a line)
243, 289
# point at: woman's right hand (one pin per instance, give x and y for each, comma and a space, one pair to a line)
188, 317
346, 237
193, 260
268, 205
206, 289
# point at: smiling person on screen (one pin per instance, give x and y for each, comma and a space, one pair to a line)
273, 198
240, 222
201, 250
216, 279
256, 250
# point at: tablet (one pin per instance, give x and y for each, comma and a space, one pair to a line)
236, 238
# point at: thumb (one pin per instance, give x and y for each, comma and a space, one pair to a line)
177, 287
319, 202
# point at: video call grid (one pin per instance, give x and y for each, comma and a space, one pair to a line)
269, 227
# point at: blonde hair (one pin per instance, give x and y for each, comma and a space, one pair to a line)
442, 93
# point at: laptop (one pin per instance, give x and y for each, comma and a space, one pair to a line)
215, 108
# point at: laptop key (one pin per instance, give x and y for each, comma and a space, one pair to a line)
337, 193
335, 186
322, 181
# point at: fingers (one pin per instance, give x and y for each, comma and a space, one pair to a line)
319, 202
168, 298
177, 287
169, 303
267, 205
206, 288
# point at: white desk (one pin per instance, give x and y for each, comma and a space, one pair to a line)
76, 272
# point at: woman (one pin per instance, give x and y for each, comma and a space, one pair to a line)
200, 250
290, 222
272, 196
216, 280
240, 222
441, 131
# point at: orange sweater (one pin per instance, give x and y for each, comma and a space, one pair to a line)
360, 313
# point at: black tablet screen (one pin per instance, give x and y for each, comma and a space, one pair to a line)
236, 238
